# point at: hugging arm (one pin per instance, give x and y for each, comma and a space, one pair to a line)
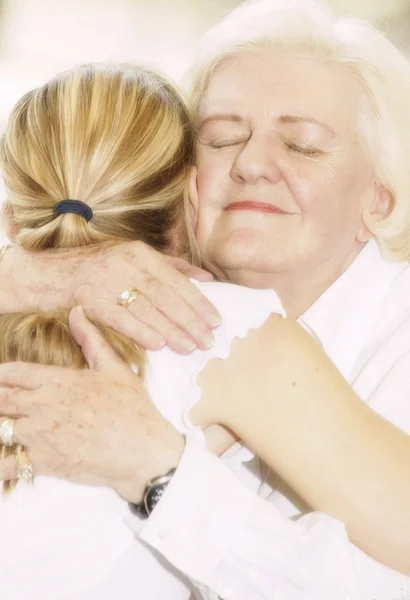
347, 462
170, 308
220, 503
282, 395
207, 524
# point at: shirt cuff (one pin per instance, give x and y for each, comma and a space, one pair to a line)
199, 517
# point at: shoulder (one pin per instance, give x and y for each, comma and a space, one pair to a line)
237, 300
389, 342
398, 295
394, 317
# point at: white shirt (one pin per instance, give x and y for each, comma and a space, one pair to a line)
62, 541
212, 524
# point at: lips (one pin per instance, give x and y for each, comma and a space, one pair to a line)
255, 206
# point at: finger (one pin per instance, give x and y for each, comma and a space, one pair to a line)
98, 353
142, 323
191, 271
8, 468
15, 402
161, 268
29, 376
122, 321
23, 431
189, 292
144, 311
9, 465
174, 308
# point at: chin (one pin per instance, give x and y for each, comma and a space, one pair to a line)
249, 250
230, 259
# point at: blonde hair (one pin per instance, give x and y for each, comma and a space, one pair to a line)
310, 28
118, 138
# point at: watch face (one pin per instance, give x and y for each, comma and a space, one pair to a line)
154, 496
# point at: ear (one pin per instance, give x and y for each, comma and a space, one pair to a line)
380, 206
383, 202
193, 193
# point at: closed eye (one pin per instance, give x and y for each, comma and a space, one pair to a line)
301, 150
227, 143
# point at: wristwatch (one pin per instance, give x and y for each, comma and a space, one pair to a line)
154, 490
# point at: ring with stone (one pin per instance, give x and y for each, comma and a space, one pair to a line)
127, 296
25, 469
7, 432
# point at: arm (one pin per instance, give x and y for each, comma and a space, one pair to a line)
208, 524
233, 542
169, 309
337, 453
346, 461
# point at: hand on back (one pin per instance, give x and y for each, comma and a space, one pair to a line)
169, 308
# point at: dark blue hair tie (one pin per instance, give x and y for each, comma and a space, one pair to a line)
75, 207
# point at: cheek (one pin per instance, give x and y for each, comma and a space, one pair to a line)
310, 189
210, 175
328, 194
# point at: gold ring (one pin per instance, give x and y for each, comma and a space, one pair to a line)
25, 469
127, 296
7, 432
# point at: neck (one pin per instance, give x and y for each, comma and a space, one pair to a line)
297, 290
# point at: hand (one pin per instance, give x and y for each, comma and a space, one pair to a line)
229, 385
169, 310
95, 426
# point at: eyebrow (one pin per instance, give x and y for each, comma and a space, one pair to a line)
284, 119
290, 119
221, 117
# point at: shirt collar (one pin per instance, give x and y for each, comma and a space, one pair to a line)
343, 315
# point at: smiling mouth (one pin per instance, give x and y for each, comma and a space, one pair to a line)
255, 206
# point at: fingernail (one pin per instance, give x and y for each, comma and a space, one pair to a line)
213, 320
79, 309
188, 345
205, 276
208, 340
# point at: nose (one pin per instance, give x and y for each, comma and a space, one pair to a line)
258, 160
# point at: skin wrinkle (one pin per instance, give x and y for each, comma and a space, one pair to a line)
324, 194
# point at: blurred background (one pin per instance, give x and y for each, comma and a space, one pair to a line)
38, 38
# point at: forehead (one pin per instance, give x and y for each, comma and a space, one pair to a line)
266, 86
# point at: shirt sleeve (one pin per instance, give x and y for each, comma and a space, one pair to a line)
233, 542
238, 545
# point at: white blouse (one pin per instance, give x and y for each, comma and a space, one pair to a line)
242, 540
62, 541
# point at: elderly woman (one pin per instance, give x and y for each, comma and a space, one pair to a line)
302, 186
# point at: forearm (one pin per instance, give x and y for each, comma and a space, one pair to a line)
227, 538
13, 297
170, 308
341, 457
23, 286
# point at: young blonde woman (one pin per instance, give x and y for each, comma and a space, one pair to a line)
98, 155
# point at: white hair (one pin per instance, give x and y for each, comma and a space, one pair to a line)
309, 28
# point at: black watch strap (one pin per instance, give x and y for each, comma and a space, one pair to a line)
154, 490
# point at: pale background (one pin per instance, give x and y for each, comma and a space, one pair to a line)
41, 37
38, 38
